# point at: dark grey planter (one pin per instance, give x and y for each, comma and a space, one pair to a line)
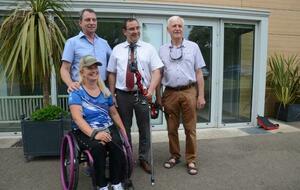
289, 113
41, 138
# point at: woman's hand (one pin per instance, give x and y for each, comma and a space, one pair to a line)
103, 136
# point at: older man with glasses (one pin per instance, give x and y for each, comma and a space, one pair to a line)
184, 92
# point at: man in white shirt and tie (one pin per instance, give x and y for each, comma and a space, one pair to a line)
127, 58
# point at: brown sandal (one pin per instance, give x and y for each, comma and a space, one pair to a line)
170, 164
192, 170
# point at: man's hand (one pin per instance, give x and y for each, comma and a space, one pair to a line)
73, 86
149, 96
158, 101
200, 102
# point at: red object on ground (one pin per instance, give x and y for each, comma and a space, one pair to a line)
265, 123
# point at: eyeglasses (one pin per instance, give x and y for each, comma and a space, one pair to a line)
175, 54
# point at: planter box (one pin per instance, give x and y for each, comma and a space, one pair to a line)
41, 138
290, 113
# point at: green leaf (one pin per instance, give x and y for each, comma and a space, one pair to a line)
284, 77
29, 40
48, 113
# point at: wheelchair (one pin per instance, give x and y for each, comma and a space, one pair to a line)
71, 156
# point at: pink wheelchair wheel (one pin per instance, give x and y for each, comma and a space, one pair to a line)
69, 164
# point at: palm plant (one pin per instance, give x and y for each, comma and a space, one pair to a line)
284, 77
32, 40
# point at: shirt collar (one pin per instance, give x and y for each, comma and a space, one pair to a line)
126, 43
81, 35
182, 44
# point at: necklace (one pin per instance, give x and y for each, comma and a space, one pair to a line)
92, 90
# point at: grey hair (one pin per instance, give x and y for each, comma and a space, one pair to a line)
172, 18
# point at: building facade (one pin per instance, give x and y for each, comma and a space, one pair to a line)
235, 37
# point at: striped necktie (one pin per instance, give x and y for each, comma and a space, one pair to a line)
131, 67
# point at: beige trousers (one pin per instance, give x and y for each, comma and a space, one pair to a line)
176, 104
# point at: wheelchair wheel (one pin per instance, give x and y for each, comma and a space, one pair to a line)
69, 164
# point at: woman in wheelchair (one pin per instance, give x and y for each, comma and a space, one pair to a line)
95, 122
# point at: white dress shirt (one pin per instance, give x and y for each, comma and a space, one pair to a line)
147, 61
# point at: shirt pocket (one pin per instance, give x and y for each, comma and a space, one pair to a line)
189, 57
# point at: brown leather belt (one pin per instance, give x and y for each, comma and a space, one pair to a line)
179, 88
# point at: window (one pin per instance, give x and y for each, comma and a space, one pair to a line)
238, 72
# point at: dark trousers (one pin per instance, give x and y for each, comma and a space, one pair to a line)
99, 153
126, 104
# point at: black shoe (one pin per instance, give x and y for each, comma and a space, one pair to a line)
145, 166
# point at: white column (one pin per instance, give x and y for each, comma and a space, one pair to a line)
53, 74
53, 86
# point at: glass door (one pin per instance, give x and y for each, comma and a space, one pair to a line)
204, 33
153, 31
238, 64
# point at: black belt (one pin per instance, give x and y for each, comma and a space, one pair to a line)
178, 88
127, 92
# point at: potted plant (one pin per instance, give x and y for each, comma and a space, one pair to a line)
284, 79
32, 40
42, 132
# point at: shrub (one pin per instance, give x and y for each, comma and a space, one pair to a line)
49, 112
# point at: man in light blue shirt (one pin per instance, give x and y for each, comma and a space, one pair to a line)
85, 43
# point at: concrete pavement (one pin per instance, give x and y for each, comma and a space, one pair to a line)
230, 158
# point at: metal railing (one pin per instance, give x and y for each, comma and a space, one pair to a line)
11, 107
